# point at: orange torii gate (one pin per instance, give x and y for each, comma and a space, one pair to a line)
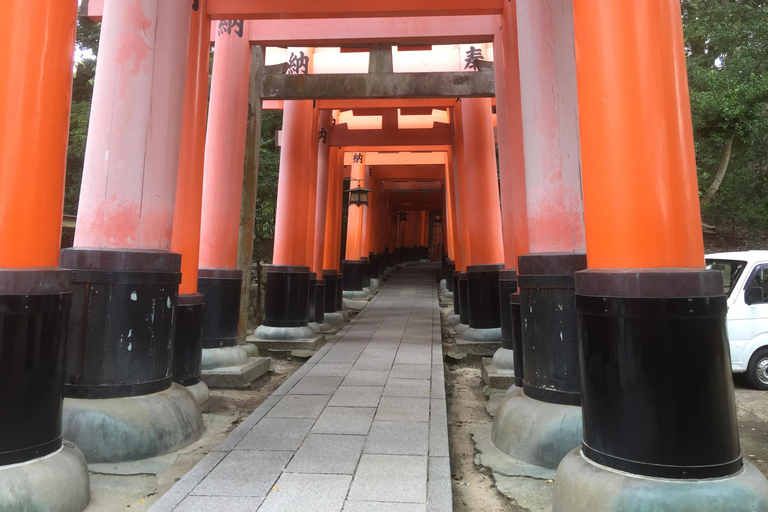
595, 215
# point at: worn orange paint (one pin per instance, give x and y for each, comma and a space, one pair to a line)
640, 191
38, 40
225, 153
511, 150
189, 185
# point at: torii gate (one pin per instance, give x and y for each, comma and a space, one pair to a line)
599, 217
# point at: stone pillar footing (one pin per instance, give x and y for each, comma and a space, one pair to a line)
537, 432
133, 428
223, 357
481, 342
58, 482
584, 486
200, 391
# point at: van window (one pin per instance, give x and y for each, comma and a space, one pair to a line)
760, 280
731, 270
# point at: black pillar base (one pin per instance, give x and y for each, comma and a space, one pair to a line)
644, 334
121, 325
188, 340
355, 275
221, 315
330, 277
286, 296
463, 299
550, 333
507, 286
34, 306
449, 282
311, 314
340, 292
517, 338
456, 292
483, 296
319, 301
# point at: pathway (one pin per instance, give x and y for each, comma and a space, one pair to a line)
361, 427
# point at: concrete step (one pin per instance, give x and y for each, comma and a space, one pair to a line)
288, 345
236, 377
497, 381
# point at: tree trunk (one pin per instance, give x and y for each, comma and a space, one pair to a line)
725, 158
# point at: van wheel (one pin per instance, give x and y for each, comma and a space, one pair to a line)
757, 371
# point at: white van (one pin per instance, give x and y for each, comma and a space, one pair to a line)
745, 276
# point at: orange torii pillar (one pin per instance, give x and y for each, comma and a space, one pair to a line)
38, 40
650, 315
326, 278
509, 358
125, 277
329, 193
460, 319
188, 337
310, 231
286, 309
449, 263
219, 278
551, 388
353, 267
332, 253
484, 223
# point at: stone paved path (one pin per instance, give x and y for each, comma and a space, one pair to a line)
361, 427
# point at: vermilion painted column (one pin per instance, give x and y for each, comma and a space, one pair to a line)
332, 231
449, 228
509, 358
35, 87
286, 312
555, 236
353, 268
311, 207
219, 278
123, 236
188, 337
321, 207
646, 299
464, 252
483, 216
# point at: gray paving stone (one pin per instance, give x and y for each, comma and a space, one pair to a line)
398, 438
179, 491
372, 364
356, 396
418, 339
244, 473
393, 408
438, 382
219, 504
320, 353
234, 437
316, 385
344, 420
299, 406
438, 429
330, 369
307, 493
408, 387
327, 453
276, 434
439, 498
391, 478
382, 352
366, 378
377, 506
410, 371
291, 381
341, 356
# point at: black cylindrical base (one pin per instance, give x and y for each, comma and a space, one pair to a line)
355, 275
330, 277
319, 301
340, 292
188, 340
311, 314
456, 292
656, 370
121, 325
449, 283
550, 332
483, 296
517, 338
286, 296
463, 299
507, 286
34, 306
221, 315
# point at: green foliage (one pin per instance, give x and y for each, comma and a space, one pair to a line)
727, 46
266, 199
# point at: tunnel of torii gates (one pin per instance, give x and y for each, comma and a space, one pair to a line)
581, 255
